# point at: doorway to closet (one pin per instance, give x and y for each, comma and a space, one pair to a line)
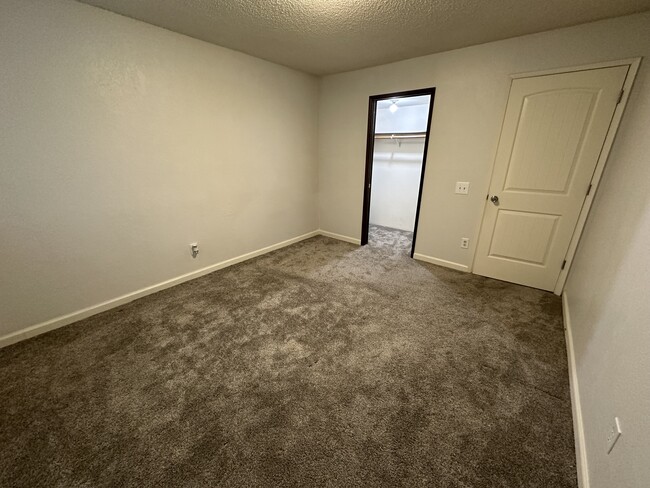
397, 143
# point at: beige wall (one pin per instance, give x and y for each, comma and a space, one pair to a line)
471, 93
608, 299
121, 143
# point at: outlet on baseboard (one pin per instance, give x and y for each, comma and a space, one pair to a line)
464, 242
614, 433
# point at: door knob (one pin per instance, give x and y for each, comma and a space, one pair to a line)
495, 199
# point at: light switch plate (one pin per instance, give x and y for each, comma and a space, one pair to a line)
462, 187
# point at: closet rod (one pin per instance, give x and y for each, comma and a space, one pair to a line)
400, 135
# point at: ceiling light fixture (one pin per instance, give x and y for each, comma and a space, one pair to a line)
393, 106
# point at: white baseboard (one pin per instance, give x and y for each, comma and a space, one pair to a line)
441, 262
578, 427
340, 237
70, 318
67, 319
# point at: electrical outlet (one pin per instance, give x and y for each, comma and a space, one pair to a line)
464, 242
194, 249
614, 433
462, 187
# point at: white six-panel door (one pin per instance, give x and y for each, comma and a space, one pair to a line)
552, 135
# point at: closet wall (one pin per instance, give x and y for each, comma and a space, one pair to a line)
395, 183
397, 166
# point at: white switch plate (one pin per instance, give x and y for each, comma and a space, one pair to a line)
462, 187
464, 242
614, 434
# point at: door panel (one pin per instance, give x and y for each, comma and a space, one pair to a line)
549, 135
523, 236
552, 135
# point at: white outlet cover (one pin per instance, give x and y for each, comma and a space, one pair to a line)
614, 433
462, 187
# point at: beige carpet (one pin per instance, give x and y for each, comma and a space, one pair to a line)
319, 365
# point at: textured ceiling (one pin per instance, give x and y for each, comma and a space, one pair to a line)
331, 36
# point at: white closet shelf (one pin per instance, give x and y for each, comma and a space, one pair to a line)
400, 135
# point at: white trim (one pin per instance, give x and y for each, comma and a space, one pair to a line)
598, 172
441, 262
67, 319
578, 426
340, 237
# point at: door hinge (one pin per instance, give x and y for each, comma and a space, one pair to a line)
563, 264
589, 189
620, 97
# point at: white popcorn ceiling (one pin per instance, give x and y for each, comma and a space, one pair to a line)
331, 36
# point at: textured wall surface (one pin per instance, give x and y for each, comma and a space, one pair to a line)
122, 143
331, 36
607, 296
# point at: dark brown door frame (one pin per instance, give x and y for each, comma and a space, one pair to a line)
370, 150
